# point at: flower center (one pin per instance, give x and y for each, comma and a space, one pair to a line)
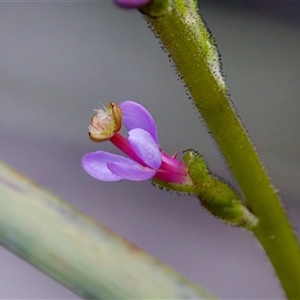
105, 123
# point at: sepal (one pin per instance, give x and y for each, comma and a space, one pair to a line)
176, 187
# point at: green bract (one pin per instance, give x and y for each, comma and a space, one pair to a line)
213, 193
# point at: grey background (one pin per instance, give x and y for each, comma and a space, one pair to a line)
58, 60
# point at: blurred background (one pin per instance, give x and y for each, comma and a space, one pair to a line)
58, 60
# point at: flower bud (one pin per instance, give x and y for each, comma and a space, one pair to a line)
217, 196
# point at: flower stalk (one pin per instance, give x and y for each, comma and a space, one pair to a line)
192, 50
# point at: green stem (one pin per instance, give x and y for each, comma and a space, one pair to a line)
190, 46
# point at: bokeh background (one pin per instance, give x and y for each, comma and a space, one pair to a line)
59, 59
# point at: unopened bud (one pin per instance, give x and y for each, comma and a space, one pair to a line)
216, 195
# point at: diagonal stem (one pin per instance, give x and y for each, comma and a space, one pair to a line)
81, 254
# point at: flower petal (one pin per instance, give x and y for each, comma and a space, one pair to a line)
145, 147
137, 116
131, 171
95, 164
131, 3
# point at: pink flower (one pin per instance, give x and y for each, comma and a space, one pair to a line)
131, 3
146, 159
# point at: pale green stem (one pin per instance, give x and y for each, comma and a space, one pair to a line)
81, 254
188, 43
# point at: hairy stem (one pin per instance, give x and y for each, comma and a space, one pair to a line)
191, 48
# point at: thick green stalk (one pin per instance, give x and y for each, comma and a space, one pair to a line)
191, 48
81, 254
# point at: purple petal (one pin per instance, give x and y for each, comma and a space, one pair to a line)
131, 171
95, 164
145, 147
135, 115
131, 3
